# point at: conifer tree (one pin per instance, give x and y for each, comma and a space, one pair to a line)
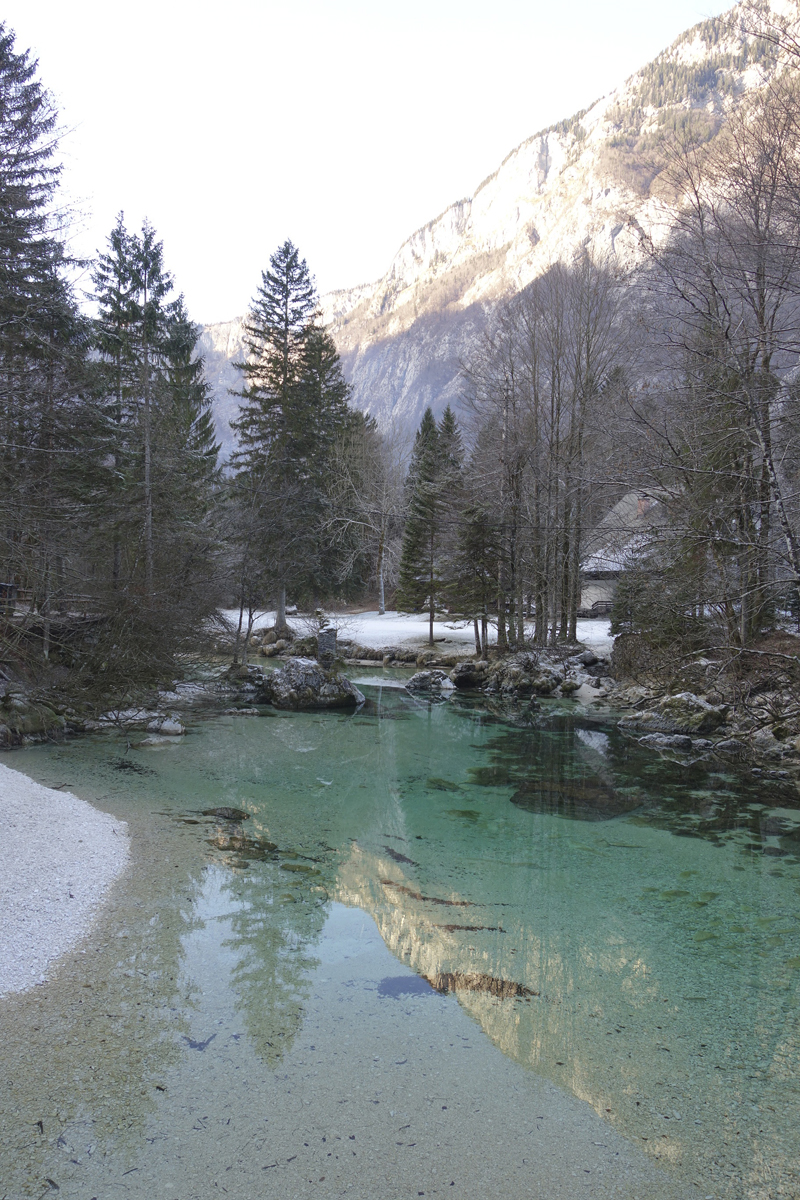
294, 404
45, 400
164, 481
472, 579
432, 500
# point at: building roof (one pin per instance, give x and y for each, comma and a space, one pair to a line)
622, 534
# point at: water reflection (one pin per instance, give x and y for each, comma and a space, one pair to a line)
529, 865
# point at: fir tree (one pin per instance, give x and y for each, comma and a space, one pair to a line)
46, 404
471, 583
274, 333
432, 491
294, 405
164, 479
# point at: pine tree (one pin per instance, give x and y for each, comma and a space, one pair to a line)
274, 333
45, 401
29, 247
472, 578
165, 482
432, 490
132, 290
294, 405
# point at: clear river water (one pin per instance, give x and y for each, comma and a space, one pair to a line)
432, 949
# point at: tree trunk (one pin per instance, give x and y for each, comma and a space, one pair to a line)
381, 596
148, 486
502, 642
46, 624
248, 635
575, 572
478, 650
431, 597
237, 643
280, 615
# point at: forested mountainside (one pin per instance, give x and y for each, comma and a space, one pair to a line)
590, 181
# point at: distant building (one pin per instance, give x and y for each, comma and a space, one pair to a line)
613, 544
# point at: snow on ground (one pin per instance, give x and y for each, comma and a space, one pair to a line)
595, 633
411, 630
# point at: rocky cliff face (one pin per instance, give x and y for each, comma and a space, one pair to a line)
587, 183
221, 346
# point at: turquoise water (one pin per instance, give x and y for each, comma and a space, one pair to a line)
623, 927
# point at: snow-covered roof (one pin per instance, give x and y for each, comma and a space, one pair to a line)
622, 533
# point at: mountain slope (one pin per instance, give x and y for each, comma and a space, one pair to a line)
588, 182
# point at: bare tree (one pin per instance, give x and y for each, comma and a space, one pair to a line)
536, 389
365, 513
726, 283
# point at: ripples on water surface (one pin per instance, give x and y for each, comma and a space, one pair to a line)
624, 926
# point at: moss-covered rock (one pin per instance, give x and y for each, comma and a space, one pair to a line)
682, 713
22, 718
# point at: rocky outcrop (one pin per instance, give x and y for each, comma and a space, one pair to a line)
470, 676
25, 720
304, 684
430, 683
524, 676
683, 713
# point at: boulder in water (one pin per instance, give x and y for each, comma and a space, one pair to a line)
430, 683
470, 674
22, 718
682, 713
304, 684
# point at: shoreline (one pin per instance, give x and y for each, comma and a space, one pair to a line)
59, 858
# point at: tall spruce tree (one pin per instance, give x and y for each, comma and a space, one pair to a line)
432, 491
159, 538
46, 404
294, 404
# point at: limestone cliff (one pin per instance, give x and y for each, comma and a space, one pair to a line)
588, 182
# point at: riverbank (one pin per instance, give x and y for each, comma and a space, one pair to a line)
410, 631
59, 858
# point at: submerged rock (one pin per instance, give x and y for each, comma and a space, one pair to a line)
304, 684
576, 799
457, 981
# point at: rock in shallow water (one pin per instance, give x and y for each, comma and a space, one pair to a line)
576, 799
431, 683
683, 713
304, 684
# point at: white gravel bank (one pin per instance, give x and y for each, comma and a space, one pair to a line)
58, 857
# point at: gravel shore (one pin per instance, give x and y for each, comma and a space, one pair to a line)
58, 858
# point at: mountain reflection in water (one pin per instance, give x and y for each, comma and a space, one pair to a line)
625, 925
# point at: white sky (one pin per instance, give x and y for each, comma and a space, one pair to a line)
344, 125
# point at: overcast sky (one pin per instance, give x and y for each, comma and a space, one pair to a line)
343, 125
